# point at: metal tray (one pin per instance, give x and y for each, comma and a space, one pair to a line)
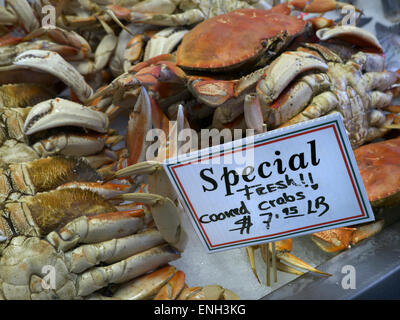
376, 266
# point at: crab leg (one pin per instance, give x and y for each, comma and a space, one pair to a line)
283, 70
163, 42
283, 109
7, 16
351, 34
172, 145
250, 256
186, 18
211, 292
124, 270
333, 240
102, 55
106, 190
87, 256
146, 75
370, 62
282, 253
145, 168
145, 287
330, 100
293, 260
341, 238
100, 227
158, 180
366, 231
320, 105
172, 289
129, 49
317, 6
25, 14
133, 52
158, 6
285, 268
379, 80
70, 144
9, 39
68, 39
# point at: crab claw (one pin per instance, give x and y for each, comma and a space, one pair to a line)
156, 176
139, 125
285, 259
282, 252
165, 215
294, 261
59, 112
339, 239
52, 63
250, 256
315, 6
253, 114
116, 88
351, 34
145, 287
283, 70
106, 190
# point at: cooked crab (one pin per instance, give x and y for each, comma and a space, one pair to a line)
165, 13
74, 230
158, 183
203, 56
45, 174
358, 88
45, 67
378, 165
166, 283
54, 126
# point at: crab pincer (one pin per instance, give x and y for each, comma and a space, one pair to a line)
52, 63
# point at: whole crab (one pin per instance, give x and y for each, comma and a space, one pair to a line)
88, 239
205, 67
178, 12
83, 216
35, 125
378, 165
336, 71
357, 87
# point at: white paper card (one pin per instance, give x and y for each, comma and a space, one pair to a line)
276, 185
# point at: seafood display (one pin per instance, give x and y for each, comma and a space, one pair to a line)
92, 203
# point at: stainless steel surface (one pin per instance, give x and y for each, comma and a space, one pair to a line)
376, 263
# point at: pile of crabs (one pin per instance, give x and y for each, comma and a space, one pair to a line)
79, 197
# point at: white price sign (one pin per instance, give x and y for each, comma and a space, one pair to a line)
276, 185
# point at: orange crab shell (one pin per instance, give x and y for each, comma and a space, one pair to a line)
229, 40
379, 165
